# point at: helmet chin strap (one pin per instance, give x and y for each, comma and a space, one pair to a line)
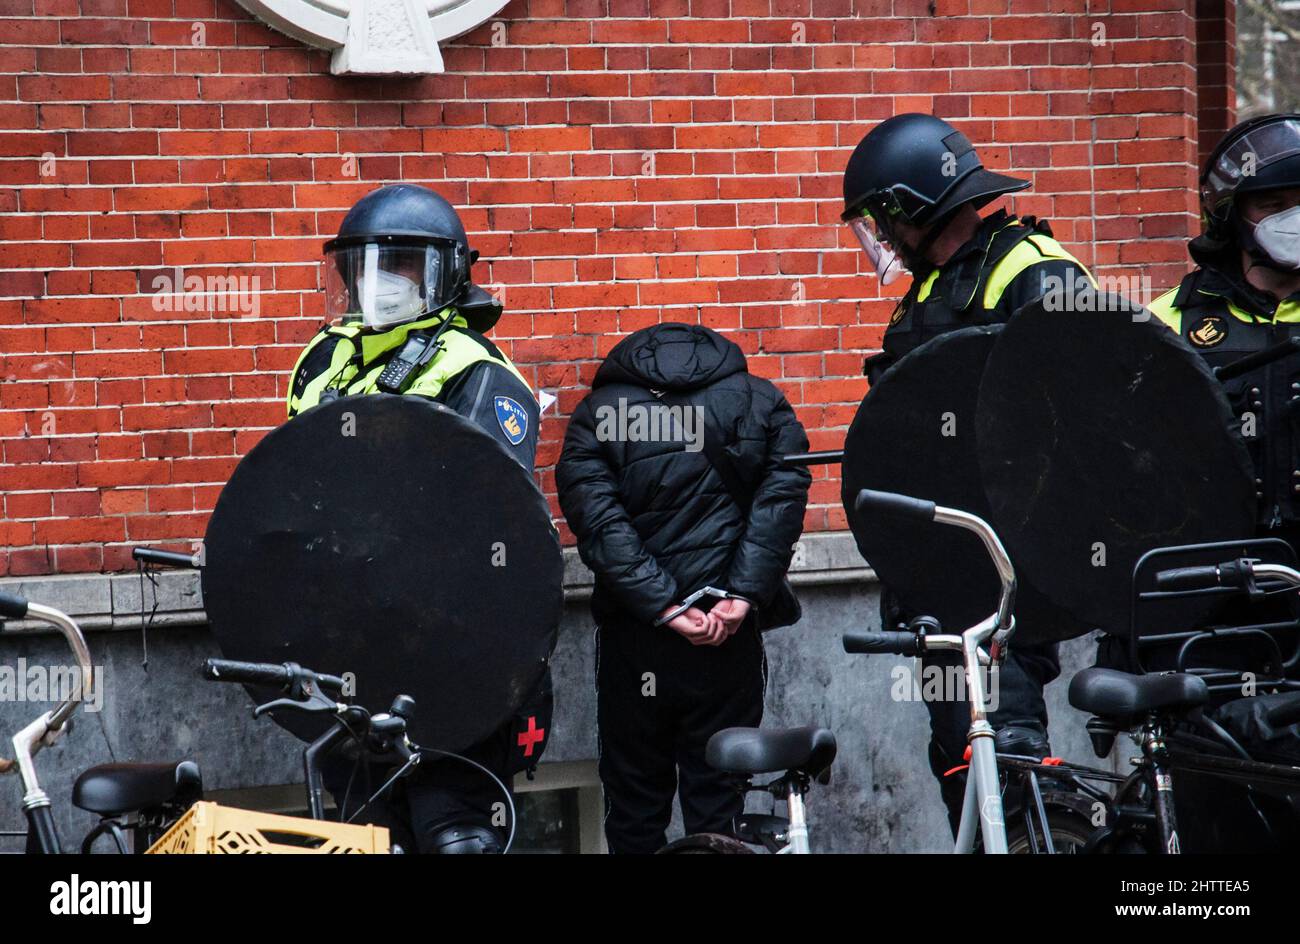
917, 259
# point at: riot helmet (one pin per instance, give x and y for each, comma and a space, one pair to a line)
916, 169
1257, 156
401, 253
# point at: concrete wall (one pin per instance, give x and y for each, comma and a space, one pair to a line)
882, 797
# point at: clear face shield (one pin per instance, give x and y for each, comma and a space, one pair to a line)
381, 285
876, 245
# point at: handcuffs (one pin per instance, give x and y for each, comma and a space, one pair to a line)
687, 603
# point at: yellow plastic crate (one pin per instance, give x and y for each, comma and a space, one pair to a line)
208, 829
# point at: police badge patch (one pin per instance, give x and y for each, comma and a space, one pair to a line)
1210, 331
513, 419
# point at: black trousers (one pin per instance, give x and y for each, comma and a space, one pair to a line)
659, 700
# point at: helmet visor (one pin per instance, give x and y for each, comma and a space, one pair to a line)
1246, 157
875, 244
381, 285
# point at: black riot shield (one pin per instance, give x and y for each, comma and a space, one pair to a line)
389, 538
1101, 435
915, 434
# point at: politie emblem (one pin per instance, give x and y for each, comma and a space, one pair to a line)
1208, 332
513, 420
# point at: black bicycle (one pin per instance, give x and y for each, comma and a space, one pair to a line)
138, 802
1198, 750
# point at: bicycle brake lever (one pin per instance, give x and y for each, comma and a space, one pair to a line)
998, 645
315, 704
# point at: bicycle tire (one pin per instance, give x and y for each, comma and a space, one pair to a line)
706, 844
1070, 831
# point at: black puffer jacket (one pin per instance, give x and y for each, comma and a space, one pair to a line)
654, 520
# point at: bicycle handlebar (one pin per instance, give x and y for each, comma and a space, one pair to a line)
1188, 578
918, 509
151, 555
12, 607
1239, 574
285, 676
892, 643
891, 503
41, 731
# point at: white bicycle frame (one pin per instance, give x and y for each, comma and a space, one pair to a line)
46, 729
983, 798
982, 804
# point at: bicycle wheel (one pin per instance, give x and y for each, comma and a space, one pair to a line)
1070, 833
706, 844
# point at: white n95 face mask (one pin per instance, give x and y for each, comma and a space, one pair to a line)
388, 298
1278, 237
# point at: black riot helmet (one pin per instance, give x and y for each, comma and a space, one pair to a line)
915, 168
401, 254
1257, 155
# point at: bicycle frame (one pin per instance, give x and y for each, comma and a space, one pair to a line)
797, 832
982, 805
794, 830
779, 835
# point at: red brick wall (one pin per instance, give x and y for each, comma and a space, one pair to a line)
616, 169
1216, 71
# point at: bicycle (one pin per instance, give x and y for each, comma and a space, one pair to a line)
1181, 738
801, 755
156, 794
751, 751
146, 799
982, 803
45, 730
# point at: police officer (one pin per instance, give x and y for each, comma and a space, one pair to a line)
913, 190
407, 319
1244, 296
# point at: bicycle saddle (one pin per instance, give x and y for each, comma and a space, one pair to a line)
1113, 694
764, 751
113, 789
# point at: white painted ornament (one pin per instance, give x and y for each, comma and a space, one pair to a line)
376, 37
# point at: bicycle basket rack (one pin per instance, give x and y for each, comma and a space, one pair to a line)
1185, 630
208, 829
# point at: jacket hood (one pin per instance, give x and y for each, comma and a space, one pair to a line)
671, 356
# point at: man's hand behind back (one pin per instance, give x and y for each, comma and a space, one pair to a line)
697, 627
730, 613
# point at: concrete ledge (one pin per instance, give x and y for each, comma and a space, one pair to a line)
104, 602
